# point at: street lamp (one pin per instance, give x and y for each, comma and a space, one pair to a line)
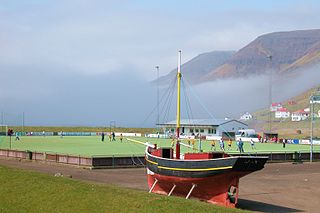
157, 67
270, 90
314, 98
112, 125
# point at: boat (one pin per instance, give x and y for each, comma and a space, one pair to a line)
208, 176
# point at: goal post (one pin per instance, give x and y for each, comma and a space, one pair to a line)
3, 130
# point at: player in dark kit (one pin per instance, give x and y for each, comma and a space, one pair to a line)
102, 136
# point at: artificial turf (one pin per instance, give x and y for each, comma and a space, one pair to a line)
92, 145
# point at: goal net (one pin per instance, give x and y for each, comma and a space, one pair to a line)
3, 130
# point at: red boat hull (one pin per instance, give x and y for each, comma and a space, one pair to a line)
220, 189
211, 177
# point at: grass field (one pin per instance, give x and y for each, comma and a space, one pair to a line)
92, 145
25, 191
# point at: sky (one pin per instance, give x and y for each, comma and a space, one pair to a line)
77, 62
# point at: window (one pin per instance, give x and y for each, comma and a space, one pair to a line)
197, 130
212, 131
202, 130
191, 131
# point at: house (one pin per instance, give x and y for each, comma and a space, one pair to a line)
300, 115
275, 106
215, 127
282, 113
246, 116
292, 102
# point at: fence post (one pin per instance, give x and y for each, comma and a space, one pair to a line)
285, 156
271, 156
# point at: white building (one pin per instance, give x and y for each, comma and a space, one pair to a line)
214, 127
246, 116
282, 113
300, 115
275, 106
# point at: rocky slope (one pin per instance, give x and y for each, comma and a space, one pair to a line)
199, 66
290, 52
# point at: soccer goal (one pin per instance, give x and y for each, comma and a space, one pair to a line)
3, 130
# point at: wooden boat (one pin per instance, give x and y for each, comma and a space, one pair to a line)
210, 176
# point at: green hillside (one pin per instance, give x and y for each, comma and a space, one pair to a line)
286, 127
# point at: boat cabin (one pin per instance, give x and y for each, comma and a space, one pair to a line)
167, 152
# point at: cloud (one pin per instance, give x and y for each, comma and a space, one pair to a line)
61, 60
104, 37
63, 98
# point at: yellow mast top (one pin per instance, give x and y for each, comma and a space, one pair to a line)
178, 94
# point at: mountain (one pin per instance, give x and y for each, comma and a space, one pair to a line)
289, 51
199, 66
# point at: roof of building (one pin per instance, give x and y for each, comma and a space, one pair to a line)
292, 102
301, 111
202, 122
246, 113
282, 110
276, 104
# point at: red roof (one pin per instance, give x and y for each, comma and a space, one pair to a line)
282, 110
292, 103
276, 104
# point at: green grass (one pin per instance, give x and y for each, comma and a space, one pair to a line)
92, 145
25, 191
77, 145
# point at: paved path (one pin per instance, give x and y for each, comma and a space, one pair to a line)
281, 187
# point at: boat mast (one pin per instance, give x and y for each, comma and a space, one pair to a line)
178, 94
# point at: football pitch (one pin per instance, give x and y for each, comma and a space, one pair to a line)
93, 146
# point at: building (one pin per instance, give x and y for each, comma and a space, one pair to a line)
246, 116
214, 127
282, 113
292, 102
300, 115
275, 106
